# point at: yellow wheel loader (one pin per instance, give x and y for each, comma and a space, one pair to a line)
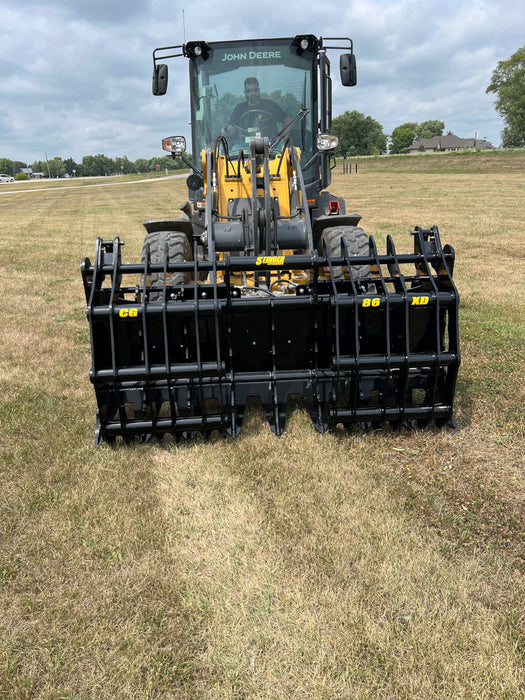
264, 286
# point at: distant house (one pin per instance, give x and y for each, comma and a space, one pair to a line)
31, 175
444, 144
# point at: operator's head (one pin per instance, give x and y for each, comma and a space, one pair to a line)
252, 91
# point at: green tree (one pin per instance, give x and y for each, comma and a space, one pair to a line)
7, 166
512, 138
430, 128
153, 162
141, 165
70, 166
508, 83
18, 165
105, 165
358, 135
402, 137
97, 165
164, 162
88, 166
39, 166
56, 167
124, 165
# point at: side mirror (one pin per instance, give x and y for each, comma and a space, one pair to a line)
160, 79
348, 69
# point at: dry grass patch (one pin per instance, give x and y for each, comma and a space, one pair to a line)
485, 162
346, 565
317, 581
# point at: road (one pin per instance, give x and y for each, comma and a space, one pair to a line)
107, 183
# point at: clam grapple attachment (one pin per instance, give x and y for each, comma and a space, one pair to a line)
265, 287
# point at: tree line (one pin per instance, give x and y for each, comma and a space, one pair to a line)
358, 135
89, 166
361, 135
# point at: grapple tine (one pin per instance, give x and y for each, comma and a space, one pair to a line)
381, 349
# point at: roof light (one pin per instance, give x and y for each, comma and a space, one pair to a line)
305, 42
197, 49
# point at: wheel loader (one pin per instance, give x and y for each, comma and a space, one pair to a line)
263, 286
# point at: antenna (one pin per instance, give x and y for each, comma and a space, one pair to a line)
183, 27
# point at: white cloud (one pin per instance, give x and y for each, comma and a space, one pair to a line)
76, 75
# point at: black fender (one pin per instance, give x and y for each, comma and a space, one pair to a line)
326, 221
182, 225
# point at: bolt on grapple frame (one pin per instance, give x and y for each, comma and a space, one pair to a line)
266, 287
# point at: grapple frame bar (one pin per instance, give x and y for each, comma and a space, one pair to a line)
358, 351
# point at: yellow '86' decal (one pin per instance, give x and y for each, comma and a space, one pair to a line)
373, 302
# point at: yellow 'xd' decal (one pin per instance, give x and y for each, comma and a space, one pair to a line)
374, 302
270, 260
128, 313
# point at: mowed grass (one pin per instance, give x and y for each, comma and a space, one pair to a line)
344, 565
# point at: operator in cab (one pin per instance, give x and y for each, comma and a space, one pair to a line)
258, 115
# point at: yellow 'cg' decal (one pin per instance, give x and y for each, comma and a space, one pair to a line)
270, 260
128, 313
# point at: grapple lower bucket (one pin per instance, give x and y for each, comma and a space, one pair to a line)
380, 349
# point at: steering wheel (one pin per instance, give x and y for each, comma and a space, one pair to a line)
257, 118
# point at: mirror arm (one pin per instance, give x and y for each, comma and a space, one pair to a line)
187, 161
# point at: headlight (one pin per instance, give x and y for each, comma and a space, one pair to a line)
327, 142
174, 144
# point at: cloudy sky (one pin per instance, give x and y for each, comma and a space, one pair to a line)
75, 75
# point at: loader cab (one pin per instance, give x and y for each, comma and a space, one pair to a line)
247, 88
279, 88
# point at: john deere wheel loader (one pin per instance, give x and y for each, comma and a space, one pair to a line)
265, 286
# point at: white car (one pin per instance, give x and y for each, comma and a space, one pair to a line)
6, 178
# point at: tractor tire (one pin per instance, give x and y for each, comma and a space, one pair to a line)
356, 242
178, 250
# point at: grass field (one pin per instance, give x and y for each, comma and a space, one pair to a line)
344, 565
